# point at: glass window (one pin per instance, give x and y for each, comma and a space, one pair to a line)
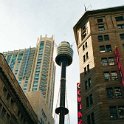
100, 20
121, 111
113, 112
83, 47
106, 37
120, 26
85, 70
87, 55
88, 119
119, 18
110, 92
100, 38
106, 76
104, 61
84, 59
102, 48
86, 44
101, 27
91, 99
122, 36
117, 92
87, 102
92, 118
86, 85
108, 48
88, 68
114, 75
89, 82
111, 61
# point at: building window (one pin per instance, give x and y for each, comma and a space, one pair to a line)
106, 37
101, 27
88, 68
108, 48
83, 47
106, 76
120, 26
110, 92
84, 59
102, 48
117, 92
83, 32
86, 44
88, 119
114, 75
91, 118
119, 18
87, 55
122, 36
104, 61
116, 112
100, 38
114, 92
87, 83
100, 20
111, 61
89, 100
85, 70
113, 112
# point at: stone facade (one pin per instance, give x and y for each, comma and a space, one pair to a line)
98, 33
14, 106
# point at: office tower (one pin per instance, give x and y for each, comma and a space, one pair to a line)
99, 37
14, 106
34, 68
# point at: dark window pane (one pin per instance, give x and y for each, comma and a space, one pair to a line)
120, 26
91, 99
88, 119
119, 18
92, 118
89, 82
110, 92
100, 20
108, 48
101, 27
106, 37
86, 85
111, 61
114, 75
87, 101
102, 48
117, 92
104, 61
100, 38
121, 112
122, 36
113, 112
106, 76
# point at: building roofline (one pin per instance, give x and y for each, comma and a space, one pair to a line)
87, 13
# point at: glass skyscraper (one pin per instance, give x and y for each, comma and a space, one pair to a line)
34, 68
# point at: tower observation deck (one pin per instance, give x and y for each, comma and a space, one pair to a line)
63, 59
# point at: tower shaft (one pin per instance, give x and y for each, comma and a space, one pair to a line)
62, 90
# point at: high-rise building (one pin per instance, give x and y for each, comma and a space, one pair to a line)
99, 37
34, 68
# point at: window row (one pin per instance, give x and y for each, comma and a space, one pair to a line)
116, 112
105, 48
108, 61
113, 75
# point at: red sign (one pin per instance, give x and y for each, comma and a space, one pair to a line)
120, 67
80, 114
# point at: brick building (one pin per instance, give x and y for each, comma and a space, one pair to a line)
99, 37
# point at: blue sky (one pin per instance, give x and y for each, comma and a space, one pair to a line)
22, 21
